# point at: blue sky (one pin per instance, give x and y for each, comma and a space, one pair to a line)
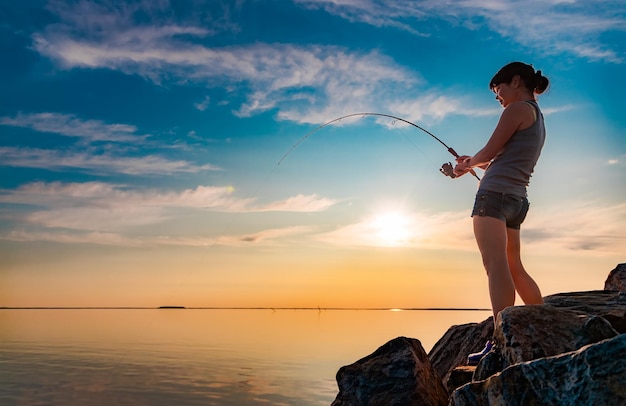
139, 143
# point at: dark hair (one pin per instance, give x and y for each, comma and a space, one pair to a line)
534, 81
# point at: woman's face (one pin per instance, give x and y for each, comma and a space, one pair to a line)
504, 93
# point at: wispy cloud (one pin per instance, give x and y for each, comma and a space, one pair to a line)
99, 206
65, 237
106, 208
410, 230
272, 75
95, 162
204, 104
71, 126
555, 26
300, 203
581, 227
269, 236
263, 237
437, 107
617, 161
97, 147
584, 228
397, 14
101, 213
302, 82
343, 80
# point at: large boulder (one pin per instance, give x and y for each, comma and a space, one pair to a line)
611, 305
452, 349
398, 373
616, 279
592, 375
525, 333
565, 323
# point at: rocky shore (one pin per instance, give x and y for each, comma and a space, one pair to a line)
569, 351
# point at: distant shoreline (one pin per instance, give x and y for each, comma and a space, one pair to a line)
241, 308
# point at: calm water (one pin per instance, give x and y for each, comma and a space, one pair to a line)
189, 357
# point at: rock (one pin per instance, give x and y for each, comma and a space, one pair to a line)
452, 349
616, 279
592, 375
397, 373
571, 350
525, 333
593, 301
450, 352
610, 305
459, 376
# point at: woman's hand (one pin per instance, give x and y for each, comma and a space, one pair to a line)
462, 165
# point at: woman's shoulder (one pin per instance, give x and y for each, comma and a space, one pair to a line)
523, 113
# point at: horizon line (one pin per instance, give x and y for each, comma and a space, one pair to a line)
166, 307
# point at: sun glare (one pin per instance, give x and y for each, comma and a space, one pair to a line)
393, 229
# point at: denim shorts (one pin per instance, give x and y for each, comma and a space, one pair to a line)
509, 208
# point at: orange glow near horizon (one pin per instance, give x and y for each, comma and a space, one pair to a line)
383, 277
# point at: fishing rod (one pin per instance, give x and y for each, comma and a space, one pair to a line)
447, 168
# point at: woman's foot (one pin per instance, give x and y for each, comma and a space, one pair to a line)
474, 358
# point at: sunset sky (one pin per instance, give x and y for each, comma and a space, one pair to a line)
140, 142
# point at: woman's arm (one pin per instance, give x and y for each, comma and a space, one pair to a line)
515, 116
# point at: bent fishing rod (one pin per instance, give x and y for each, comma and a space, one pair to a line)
447, 169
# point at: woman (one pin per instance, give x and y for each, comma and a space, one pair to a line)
501, 204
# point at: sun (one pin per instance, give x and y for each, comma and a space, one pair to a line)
393, 229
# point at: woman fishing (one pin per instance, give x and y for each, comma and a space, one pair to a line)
501, 204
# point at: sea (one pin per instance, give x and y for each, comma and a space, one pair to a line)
152, 356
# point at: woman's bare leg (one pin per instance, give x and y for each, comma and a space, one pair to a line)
491, 237
524, 283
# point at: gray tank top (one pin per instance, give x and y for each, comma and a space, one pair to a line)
511, 169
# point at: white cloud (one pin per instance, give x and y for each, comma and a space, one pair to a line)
300, 203
557, 26
342, 81
101, 219
204, 104
380, 14
70, 238
71, 126
301, 82
93, 137
589, 228
584, 227
594, 52
269, 236
306, 84
445, 230
110, 195
275, 75
438, 107
621, 160
265, 237
94, 162
102, 213
102, 207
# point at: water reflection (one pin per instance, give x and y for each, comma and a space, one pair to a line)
192, 356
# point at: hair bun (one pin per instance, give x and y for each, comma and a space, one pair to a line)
541, 82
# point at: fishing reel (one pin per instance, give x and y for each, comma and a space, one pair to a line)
447, 169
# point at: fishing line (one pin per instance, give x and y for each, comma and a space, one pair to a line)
446, 168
